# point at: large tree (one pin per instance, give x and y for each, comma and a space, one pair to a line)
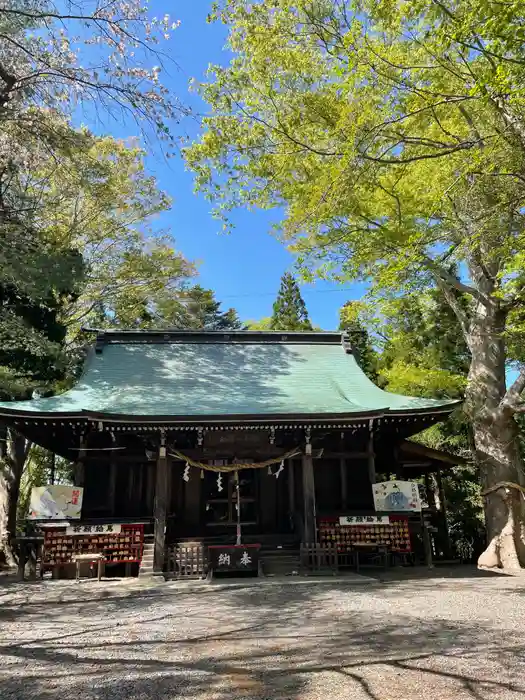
421, 352
289, 309
196, 308
393, 134
101, 200
80, 251
101, 57
37, 281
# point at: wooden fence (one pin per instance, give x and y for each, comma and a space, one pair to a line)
187, 561
318, 559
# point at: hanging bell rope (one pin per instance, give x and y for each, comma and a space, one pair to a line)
233, 467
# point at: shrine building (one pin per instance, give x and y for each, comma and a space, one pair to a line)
158, 421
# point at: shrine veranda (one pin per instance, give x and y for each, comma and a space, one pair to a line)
266, 439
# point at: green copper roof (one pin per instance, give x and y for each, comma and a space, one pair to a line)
215, 375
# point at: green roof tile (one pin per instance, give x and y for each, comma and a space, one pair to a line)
192, 378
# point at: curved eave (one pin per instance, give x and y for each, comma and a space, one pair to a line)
86, 416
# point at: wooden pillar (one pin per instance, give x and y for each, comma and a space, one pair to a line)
291, 486
79, 469
113, 467
150, 488
430, 493
160, 508
309, 529
112, 477
130, 473
371, 454
344, 487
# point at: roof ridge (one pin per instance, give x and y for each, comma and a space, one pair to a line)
203, 336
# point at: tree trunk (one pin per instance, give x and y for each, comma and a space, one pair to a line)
11, 469
496, 434
498, 457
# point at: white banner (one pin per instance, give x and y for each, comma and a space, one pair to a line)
55, 503
396, 495
109, 529
364, 520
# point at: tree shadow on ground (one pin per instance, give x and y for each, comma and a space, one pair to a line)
457, 571
290, 642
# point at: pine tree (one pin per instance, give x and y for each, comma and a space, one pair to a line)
205, 312
289, 309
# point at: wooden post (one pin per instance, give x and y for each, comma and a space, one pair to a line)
112, 486
309, 498
291, 487
238, 506
112, 477
344, 493
371, 454
150, 488
160, 508
443, 509
78, 470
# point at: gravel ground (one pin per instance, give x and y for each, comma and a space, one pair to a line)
436, 637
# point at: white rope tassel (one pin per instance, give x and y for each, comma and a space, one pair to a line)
219, 482
281, 469
186, 475
270, 473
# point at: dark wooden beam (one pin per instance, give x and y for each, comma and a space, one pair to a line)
160, 510
204, 454
344, 487
150, 488
371, 459
112, 486
291, 486
112, 478
309, 499
78, 470
327, 454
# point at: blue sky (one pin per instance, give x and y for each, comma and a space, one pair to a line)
243, 268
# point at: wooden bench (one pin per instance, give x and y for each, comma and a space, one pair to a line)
90, 558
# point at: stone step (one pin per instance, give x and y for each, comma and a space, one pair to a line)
146, 564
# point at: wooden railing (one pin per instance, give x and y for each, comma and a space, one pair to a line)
187, 561
318, 559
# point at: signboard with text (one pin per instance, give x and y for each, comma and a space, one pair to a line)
225, 558
364, 520
94, 529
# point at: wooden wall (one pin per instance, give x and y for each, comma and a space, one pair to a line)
126, 489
